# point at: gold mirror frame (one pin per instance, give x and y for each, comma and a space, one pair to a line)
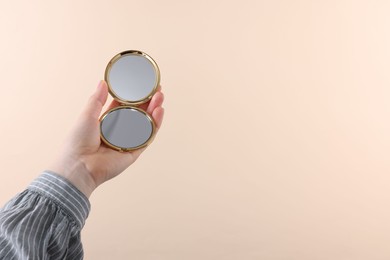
120, 149
135, 53
126, 104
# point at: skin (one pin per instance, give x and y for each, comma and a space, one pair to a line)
84, 159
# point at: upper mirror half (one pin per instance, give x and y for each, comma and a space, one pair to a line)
132, 77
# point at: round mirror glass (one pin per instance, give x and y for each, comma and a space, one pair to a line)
126, 128
132, 77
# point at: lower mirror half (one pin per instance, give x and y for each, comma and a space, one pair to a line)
126, 128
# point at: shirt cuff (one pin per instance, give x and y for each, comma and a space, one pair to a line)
55, 187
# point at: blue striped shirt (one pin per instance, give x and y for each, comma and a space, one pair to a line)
44, 221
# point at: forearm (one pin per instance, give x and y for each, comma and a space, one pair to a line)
76, 172
44, 221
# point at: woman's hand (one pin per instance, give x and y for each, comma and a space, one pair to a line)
85, 160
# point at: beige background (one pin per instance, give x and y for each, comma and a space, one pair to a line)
276, 140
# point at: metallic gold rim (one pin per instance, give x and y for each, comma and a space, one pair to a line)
127, 53
121, 149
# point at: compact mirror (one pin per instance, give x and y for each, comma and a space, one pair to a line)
132, 78
127, 127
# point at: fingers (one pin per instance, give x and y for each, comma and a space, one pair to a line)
113, 104
155, 108
156, 101
97, 101
145, 106
158, 115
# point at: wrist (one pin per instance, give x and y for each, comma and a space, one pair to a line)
76, 172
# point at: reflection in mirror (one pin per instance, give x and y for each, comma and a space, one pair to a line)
126, 128
132, 77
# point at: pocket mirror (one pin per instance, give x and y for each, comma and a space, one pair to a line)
132, 78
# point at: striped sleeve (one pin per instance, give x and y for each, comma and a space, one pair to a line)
44, 221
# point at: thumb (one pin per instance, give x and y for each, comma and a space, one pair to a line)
96, 101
